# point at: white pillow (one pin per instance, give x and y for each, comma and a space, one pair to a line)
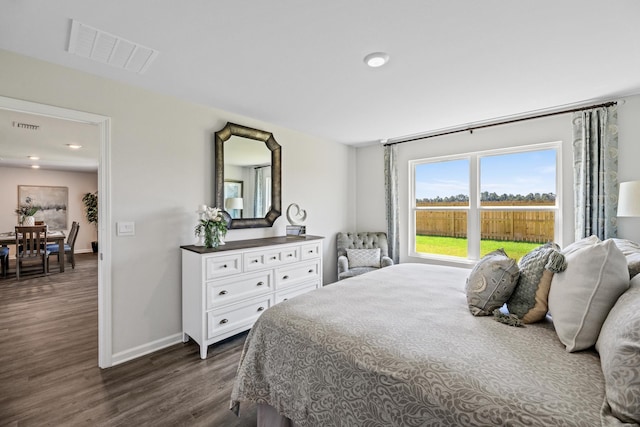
581, 297
582, 243
364, 257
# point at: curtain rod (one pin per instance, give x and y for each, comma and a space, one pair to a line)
504, 122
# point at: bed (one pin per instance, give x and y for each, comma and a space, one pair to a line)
399, 347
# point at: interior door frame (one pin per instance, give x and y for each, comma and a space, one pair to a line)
104, 209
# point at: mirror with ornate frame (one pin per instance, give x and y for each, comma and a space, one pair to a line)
258, 160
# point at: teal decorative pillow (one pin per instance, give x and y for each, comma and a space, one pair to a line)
619, 348
363, 257
491, 283
529, 301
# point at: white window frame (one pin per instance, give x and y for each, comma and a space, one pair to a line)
474, 209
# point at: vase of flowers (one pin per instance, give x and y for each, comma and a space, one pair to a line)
26, 211
212, 226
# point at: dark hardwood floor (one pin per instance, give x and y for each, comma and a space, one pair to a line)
49, 373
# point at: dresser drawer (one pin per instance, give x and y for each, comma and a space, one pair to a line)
294, 291
223, 319
271, 258
225, 291
303, 271
220, 266
310, 251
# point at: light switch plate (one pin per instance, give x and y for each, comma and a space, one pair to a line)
126, 228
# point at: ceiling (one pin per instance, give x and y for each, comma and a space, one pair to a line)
23, 135
299, 64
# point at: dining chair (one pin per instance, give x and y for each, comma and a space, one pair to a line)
69, 247
31, 250
4, 260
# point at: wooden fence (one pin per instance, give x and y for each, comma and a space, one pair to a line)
514, 225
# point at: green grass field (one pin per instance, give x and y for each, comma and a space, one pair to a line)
454, 246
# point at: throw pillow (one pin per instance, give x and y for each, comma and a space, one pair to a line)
581, 297
619, 348
363, 257
491, 283
529, 301
579, 244
631, 250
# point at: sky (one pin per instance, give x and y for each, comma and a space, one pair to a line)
517, 173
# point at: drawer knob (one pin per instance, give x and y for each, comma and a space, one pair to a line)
273, 257
285, 277
259, 283
224, 266
311, 251
260, 308
222, 293
223, 321
290, 255
285, 299
311, 271
254, 261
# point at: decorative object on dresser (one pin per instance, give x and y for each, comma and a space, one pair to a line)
242, 151
296, 219
225, 290
212, 225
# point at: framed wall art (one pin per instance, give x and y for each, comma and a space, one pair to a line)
52, 203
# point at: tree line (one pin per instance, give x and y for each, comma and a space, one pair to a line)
485, 196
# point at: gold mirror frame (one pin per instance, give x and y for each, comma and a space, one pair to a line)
223, 135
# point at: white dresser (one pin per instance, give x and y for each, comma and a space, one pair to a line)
225, 290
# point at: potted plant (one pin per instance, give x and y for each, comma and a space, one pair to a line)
26, 211
90, 201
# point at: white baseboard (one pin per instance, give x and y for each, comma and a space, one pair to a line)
133, 353
82, 251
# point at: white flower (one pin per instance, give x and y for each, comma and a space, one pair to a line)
213, 214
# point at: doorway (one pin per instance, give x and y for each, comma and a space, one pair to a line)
103, 124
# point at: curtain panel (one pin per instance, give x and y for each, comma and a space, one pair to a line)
595, 158
391, 199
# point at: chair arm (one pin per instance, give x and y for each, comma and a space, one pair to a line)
385, 261
343, 264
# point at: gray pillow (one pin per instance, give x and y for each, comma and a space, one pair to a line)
619, 348
631, 251
581, 297
491, 283
363, 257
529, 301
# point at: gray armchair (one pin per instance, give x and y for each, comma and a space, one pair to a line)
364, 240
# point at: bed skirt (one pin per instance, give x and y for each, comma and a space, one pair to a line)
268, 416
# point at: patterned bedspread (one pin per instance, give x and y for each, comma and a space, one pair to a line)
398, 347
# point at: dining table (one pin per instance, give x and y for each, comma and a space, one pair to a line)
53, 236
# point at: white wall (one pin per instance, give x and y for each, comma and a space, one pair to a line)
78, 183
161, 171
628, 160
370, 213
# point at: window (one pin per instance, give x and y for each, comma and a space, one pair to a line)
467, 206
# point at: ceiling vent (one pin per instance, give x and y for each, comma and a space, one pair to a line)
100, 46
28, 126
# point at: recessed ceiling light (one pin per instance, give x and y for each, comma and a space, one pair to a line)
35, 166
34, 158
376, 59
74, 146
